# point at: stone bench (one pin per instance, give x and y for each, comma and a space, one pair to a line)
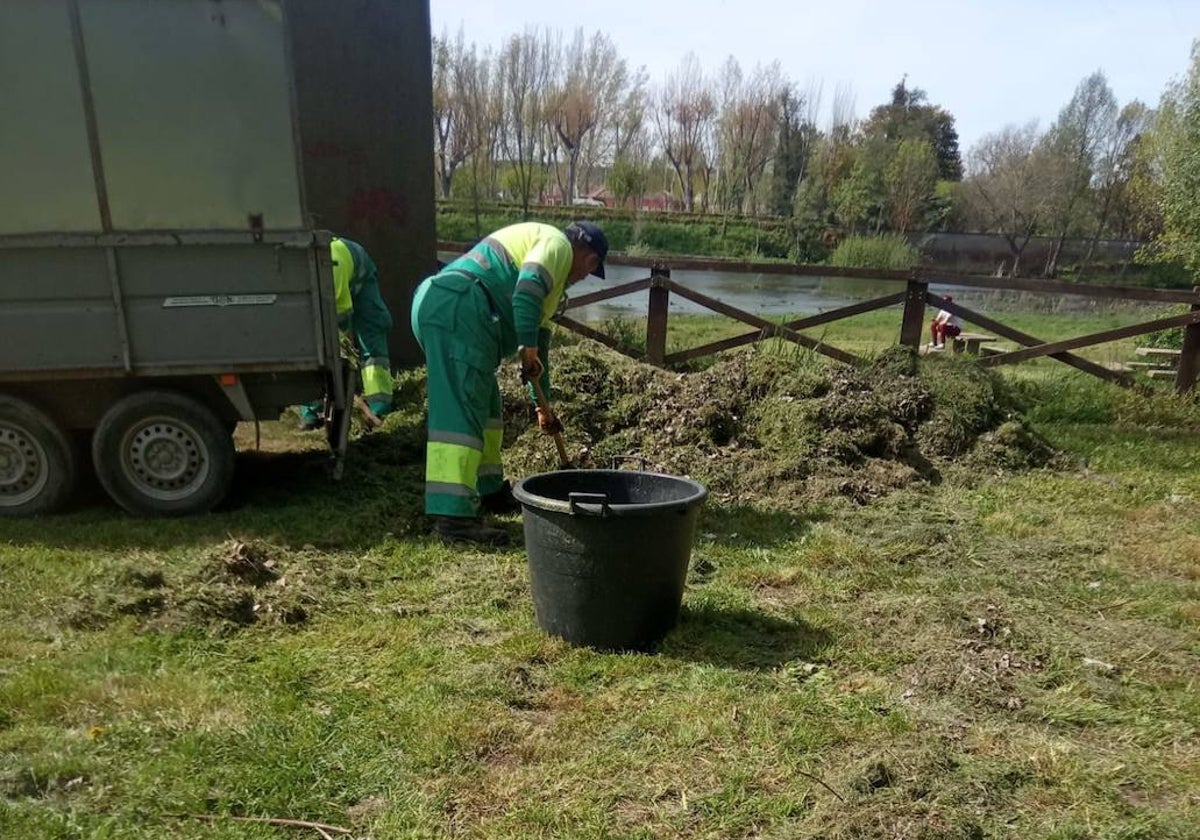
971, 342
1165, 355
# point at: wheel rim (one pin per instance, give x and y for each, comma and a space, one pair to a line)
24, 467
164, 458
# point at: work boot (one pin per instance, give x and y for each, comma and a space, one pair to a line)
460, 529
380, 406
501, 502
310, 419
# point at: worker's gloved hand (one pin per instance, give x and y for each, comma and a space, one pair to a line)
549, 423
531, 365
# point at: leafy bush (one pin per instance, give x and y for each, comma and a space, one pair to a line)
890, 251
1172, 338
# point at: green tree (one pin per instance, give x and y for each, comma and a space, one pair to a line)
1140, 213
854, 196
1072, 150
795, 137
909, 179
1179, 134
627, 180
910, 116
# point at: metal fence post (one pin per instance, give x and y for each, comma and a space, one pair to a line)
914, 314
1189, 357
656, 318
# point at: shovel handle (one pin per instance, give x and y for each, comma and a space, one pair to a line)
369, 416
559, 444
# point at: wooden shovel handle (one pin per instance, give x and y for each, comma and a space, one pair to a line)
545, 406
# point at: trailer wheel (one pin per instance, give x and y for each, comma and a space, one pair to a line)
37, 464
161, 453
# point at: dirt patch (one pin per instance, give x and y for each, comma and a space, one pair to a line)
759, 427
234, 585
985, 665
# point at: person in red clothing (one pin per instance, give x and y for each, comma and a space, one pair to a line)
944, 324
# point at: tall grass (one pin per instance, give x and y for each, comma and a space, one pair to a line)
889, 251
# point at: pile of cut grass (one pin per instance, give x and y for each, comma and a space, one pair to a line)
759, 427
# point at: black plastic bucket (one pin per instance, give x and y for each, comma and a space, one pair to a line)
608, 553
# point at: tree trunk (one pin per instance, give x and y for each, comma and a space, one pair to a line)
572, 174
1051, 269
1104, 210
475, 199
1017, 252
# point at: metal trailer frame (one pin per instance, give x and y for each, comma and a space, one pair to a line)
362, 185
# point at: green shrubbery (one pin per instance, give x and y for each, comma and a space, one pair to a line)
889, 251
655, 233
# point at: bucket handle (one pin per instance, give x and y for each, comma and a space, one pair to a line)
615, 461
598, 500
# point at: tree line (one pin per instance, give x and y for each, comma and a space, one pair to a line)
553, 117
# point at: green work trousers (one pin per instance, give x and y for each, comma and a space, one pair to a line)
458, 327
371, 322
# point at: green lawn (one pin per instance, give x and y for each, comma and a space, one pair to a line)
991, 657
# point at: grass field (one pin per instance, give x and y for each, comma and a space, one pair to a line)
867, 334
991, 657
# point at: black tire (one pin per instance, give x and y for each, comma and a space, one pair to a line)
37, 464
161, 453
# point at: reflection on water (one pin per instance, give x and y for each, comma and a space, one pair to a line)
776, 295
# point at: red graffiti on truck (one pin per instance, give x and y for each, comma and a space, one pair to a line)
378, 205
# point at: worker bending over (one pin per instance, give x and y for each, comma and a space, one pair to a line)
362, 313
496, 300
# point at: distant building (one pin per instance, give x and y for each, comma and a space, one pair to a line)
660, 201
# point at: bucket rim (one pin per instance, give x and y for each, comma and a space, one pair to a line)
695, 498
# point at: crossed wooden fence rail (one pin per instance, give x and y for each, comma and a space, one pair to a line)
914, 298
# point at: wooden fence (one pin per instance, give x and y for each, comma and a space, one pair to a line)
914, 296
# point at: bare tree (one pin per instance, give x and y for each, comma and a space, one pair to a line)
482, 107
1002, 190
595, 79
683, 117
745, 132
455, 70
627, 143
841, 114
525, 66
629, 129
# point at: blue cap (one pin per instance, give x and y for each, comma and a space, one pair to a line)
590, 234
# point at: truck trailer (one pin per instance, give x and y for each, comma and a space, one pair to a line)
171, 174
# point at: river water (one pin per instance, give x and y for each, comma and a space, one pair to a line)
775, 295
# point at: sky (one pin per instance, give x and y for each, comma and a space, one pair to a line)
989, 63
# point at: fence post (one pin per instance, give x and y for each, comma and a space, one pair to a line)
1189, 357
913, 325
656, 318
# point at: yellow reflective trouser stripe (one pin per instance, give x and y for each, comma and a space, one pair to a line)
492, 440
452, 463
376, 380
